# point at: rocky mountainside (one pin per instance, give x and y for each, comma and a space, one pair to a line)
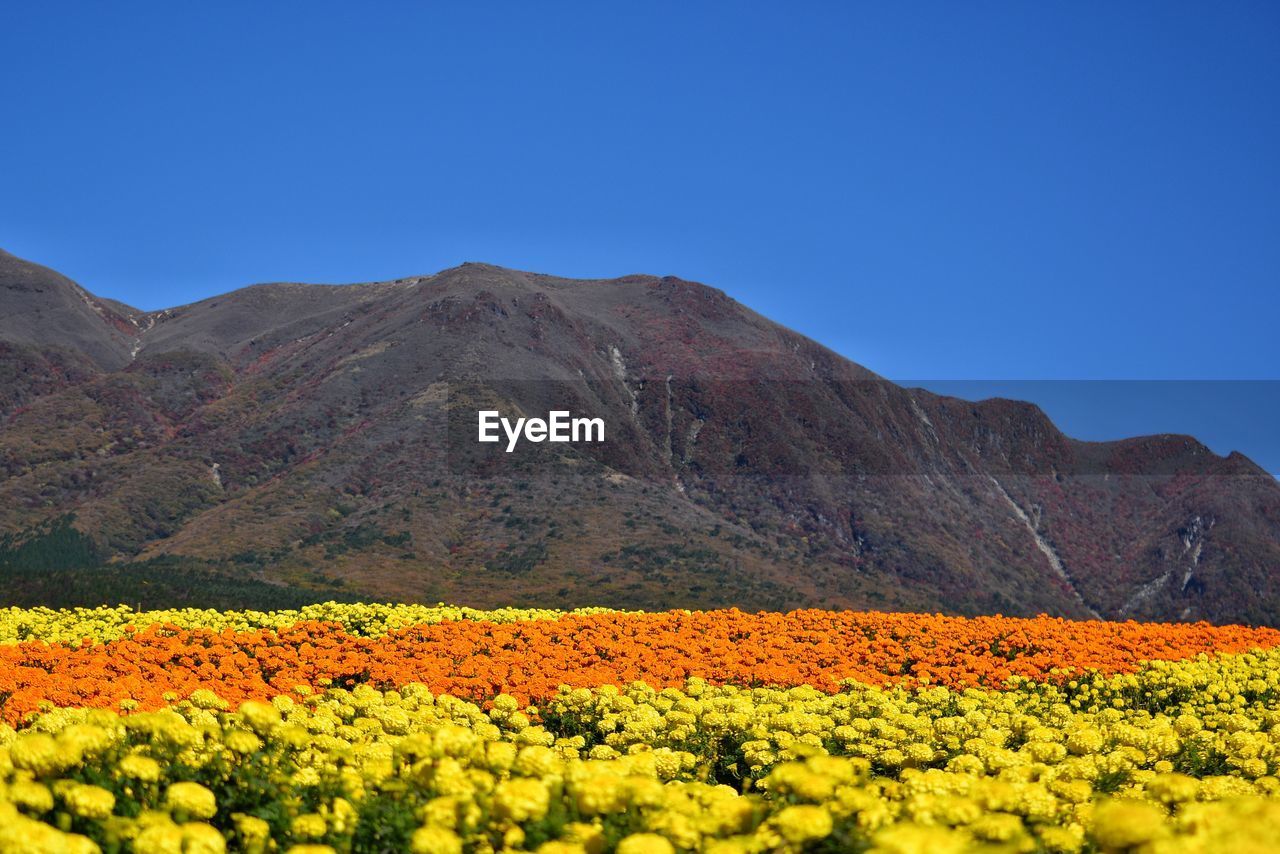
323, 437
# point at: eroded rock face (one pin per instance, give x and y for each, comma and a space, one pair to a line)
315, 434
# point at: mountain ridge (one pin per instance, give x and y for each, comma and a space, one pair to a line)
305, 434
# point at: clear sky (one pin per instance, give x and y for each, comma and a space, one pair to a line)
1023, 191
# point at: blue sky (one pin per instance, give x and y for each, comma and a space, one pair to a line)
1022, 191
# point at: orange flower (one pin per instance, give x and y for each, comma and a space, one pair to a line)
531, 659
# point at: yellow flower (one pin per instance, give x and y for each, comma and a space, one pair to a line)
796, 779
305, 778
601, 793
1173, 788
536, 761
1062, 840
191, 799
1253, 768
645, 843
262, 717
242, 741
341, 815
998, 827
85, 740
140, 767
500, 755
800, 824
435, 840
590, 837
252, 830
1085, 741
200, 838
505, 704
917, 839
522, 800
206, 699
454, 741
89, 801
293, 736
37, 753
559, 846
159, 839
1120, 824
310, 826
31, 796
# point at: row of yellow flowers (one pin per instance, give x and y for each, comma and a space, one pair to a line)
1177, 756
106, 623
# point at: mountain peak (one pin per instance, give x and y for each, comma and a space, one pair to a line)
284, 427
41, 307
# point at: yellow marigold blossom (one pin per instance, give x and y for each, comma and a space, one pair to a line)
340, 815
917, 839
454, 741
645, 843
305, 777
1067, 839
536, 761
1085, 741
191, 799
435, 840
522, 800
310, 826
139, 767
203, 698
1121, 824
500, 755
560, 846
200, 838
37, 753
31, 796
1173, 788
242, 741
262, 717
1253, 768
159, 839
798, 780
294, 736
86, 740
998, 827
89, 801
800, 824
252, 830
600, 793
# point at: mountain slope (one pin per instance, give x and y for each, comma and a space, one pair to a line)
46, 309
325, 435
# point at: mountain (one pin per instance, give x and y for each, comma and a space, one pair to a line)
323, 438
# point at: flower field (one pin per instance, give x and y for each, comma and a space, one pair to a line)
407, 728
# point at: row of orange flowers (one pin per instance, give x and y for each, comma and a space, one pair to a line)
530, 659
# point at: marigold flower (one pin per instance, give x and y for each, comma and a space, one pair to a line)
522, 800
801, 824
310, 826
159, 839
37, 753
435, 840
191, 799
1121, 824
200, 838
31, 796
139, 767
645, 843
